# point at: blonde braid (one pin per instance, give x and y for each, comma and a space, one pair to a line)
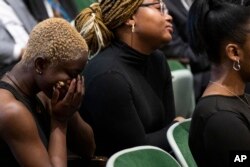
90, 25
116, 14
96, 22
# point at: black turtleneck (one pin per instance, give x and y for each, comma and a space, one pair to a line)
128, 99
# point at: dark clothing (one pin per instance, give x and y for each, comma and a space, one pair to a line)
6, 157
179, 48
6, 69
220, 124
38, 9
69, 7
129, 99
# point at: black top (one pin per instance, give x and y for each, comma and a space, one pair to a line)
129, 99
6, 157
220, 124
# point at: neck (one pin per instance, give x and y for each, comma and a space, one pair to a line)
22, 81
226, 89
131, 39
228, 78
243, 99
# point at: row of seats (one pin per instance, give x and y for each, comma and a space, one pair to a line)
151, 156
183, 88
177, 134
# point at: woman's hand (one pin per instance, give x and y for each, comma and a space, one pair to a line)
63, 108
179, 119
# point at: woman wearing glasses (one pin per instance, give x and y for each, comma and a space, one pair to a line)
129, 97
221, 121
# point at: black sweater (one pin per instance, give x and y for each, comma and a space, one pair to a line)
129, 99
220, 126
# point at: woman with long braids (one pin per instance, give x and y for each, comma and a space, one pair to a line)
129, 97
221, 121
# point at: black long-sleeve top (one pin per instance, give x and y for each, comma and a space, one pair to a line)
220, 126
128, 99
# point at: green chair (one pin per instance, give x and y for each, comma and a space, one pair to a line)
142, 156
177, 136
182, 79
81, 4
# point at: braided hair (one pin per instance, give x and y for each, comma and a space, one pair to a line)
96, 23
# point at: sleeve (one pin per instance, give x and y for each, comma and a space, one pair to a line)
114, 119
225, 132
7, 46
168, 95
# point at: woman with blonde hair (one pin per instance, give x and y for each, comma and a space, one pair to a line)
40, 97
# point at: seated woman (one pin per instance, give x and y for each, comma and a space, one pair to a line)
220, 123
129, 96
40, 97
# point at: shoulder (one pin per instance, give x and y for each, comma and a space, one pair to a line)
109, 80
158, 62
158, 55
206, 108
158, 59
14, 116
214, 117
220, 111
104, 65
228, 127
101, 62
214, 103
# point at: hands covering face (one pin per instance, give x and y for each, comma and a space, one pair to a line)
67, 98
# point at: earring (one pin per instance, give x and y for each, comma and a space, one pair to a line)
236, 65
133, 27
39, 72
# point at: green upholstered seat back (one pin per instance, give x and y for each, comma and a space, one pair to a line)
142, 156
175, 65
181, 134
145, 158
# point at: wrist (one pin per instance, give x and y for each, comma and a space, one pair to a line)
59, 123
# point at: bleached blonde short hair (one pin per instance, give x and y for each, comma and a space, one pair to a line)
55, 40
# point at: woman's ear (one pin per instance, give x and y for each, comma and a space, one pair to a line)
40, 65
233, 52
130, 22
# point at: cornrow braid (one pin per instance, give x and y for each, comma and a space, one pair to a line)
121, 10
96, 23
90, 25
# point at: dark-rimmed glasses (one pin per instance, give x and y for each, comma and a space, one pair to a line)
163, 8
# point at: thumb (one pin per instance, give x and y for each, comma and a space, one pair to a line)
55, 95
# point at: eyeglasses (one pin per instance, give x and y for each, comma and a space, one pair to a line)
163, 8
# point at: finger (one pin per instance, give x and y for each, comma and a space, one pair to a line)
78, 94
70, 93
55, 95
83, 86
79, 84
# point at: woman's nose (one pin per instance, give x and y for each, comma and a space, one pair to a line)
169, 18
